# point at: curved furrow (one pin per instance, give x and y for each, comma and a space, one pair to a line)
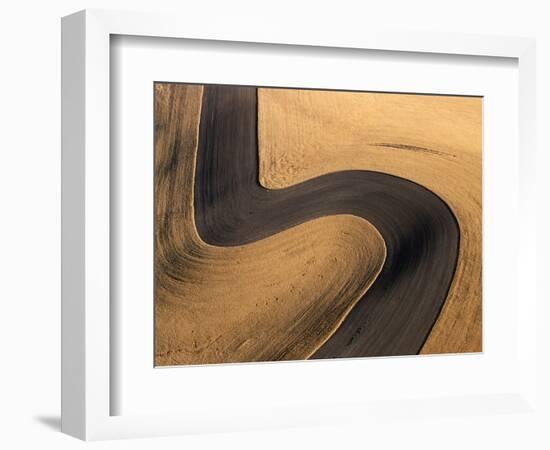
396, 314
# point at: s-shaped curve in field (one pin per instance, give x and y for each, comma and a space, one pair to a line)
395, 316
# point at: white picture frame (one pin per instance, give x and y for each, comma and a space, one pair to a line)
86, 326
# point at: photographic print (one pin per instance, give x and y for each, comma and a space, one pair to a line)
296, 224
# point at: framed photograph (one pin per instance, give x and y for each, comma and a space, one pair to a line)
262, 230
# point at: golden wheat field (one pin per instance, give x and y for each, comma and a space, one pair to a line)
304, 224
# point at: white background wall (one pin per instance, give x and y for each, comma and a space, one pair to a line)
29, 224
